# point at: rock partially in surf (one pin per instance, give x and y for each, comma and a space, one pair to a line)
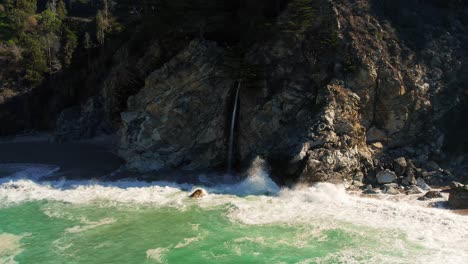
458, 197
370, 190
198, 193
430, 195
413, 190
390, 189
386, 176
422, 184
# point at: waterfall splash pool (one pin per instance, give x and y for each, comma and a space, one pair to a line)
253, 221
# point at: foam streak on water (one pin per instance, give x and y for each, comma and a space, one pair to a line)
318, 210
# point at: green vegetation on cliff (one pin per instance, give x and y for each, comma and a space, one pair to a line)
40, 37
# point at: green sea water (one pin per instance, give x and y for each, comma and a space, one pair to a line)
57, 232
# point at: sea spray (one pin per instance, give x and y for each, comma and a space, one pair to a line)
257, 182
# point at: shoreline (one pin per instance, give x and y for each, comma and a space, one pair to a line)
96, 159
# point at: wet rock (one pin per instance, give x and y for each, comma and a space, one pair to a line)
198, 193
370, 190
458, 197
430, 195
386, 176
390, 189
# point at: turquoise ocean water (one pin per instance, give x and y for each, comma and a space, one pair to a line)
250, 222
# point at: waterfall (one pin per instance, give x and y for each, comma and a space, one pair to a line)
231, 132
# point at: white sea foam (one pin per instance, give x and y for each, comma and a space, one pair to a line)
443, 233
257, 240
187, 241
90, 225
157, 254
9, 248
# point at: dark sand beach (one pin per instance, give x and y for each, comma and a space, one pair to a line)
77, 160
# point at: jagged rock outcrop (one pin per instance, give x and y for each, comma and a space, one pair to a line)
178, 119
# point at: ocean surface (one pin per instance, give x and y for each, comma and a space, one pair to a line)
253, 221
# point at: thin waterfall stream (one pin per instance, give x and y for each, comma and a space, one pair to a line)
233, 125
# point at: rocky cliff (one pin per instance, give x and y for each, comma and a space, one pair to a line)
341, 89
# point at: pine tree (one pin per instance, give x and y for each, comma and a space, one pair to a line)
61, 10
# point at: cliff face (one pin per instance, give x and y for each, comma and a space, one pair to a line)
177, 119
354, 86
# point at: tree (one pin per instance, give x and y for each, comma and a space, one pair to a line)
100, 27
105, 8
34, 60
27, 6
52, 5
70, 43
61, 10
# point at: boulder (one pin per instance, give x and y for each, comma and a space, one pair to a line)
458, 197
386, 176
409, 179
370, 190
198, 193
399, 166
422, 184
413, 190
390, 189
430, 195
